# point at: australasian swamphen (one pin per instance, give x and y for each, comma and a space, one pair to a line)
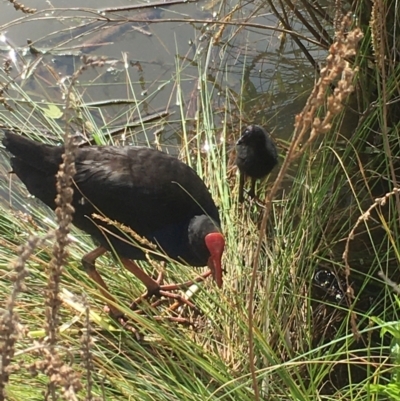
256, 156
153, 193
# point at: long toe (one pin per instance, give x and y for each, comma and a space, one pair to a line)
145, 297
165, 295
178, 298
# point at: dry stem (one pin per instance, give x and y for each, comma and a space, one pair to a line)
308, 126
9, 319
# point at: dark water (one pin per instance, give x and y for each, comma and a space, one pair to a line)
159, 60
253, 74
164, 59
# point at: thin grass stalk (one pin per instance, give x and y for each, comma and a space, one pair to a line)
180, 101
343, 47
64, 212
323, 37
9, 319
20, 7
379, 35
296, 39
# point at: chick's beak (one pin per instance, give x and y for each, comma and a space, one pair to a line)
215, 243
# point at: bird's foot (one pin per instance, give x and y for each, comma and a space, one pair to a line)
164, 294
253, 199
151, 292
257, 201
251, 193
163, 297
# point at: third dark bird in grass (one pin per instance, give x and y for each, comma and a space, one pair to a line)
256, 156
153, 193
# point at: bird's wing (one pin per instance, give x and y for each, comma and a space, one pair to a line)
140, 187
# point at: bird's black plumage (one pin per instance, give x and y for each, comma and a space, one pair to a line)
256, 156
153, 193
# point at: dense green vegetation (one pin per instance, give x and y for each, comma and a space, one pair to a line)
272, 333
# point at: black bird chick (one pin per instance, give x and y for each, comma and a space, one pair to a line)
256, 157
153, 193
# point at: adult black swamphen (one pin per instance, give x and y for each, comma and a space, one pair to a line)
153, 193
256, 156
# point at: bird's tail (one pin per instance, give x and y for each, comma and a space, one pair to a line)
36, 155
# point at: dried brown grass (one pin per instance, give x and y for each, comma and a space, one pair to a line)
9, 326
21, 7
49, 360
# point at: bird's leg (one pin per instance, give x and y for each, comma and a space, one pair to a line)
252, 192
252, 195
155, 288
165, 291
188, 284
88, 263
241, 187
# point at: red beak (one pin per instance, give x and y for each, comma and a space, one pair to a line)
215, 243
